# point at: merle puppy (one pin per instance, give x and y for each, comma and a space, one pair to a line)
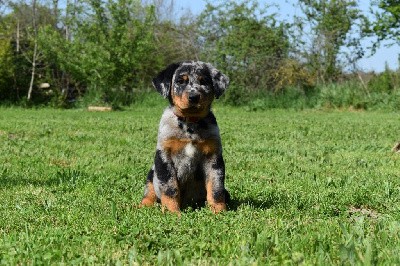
188, 166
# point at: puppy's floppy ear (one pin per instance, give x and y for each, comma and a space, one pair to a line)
220, 81
162, 82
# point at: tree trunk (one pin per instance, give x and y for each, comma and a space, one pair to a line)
17, 36
34, 57
33, 71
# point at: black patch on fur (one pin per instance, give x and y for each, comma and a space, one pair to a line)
218, 91
203, 124
199, 174
162, 82
190, 128
206, 76
180, 123
211, 118
161, 167
171, 192
219, 164
150, 176
222, 194
220, 82
219, 196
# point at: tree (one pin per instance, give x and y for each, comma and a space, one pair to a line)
332, 26
35, 54
110, 47
245, 42
19, 25
178, 40
6, 62
387, 23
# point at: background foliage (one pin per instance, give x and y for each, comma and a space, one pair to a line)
76, 53
245, 43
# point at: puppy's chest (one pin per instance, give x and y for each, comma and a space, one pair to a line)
191, 142
188, 155
190, 148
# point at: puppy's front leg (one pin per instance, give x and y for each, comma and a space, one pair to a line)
215, 179
166, 174
149, 197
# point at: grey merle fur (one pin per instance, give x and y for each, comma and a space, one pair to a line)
188, 167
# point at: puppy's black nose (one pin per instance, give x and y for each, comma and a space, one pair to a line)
194, 97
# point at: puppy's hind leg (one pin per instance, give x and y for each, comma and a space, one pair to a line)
149, 197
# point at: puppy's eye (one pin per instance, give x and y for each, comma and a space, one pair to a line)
202, 80
183, 79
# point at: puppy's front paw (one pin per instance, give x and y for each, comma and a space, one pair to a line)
171, 203
218, 207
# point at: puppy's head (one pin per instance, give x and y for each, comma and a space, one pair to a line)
191, 87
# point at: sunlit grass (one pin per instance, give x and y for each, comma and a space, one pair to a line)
310, 186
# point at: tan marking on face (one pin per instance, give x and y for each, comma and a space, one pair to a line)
185, 77
181, 102
172, 204
150, 198
184, 109
216, 205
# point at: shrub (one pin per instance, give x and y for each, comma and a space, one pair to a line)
346, 94
386, 81
6, 70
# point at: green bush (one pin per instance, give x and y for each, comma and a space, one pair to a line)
236, 95
6, 72
244, 41
386, 81
287, 98
111, 51
347, 94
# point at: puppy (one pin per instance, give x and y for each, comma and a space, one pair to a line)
188, 166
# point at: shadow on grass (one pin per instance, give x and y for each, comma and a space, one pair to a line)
13, 181
232, 205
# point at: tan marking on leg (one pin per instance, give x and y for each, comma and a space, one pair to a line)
150, 198
172, 204
216, 205
219, 207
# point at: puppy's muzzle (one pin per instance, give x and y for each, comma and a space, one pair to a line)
194, 97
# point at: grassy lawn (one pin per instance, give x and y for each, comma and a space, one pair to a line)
308, 187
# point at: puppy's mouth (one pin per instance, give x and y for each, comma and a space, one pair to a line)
192, 109
196, 110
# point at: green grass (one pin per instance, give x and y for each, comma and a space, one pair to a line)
308, 187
